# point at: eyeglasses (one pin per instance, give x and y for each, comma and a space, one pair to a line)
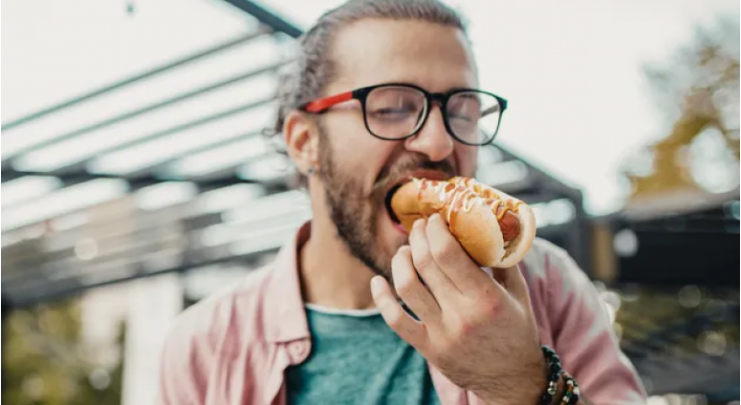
398, 111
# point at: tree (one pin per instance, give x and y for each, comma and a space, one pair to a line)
44, 361
698, 91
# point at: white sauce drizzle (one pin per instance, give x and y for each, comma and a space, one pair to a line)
451, 197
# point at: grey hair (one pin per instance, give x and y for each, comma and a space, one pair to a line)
312, 70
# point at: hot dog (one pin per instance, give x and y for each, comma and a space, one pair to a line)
496, 229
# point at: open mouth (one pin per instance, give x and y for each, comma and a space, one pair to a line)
389, 196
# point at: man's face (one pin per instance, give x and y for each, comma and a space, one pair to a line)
357, 170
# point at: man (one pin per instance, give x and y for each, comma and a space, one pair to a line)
354, 310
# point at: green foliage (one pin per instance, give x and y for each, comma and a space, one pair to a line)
697, 90
44, 361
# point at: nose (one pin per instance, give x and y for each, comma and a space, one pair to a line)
432, 139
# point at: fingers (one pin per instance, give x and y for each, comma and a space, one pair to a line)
396, 317
437, 282
452, 259
410, 288
514, 282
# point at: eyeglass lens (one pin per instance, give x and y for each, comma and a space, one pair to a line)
394, 112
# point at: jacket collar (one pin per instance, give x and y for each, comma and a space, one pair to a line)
284, 314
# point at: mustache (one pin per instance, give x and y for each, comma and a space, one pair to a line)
401, 168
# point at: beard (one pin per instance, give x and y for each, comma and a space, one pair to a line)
355, 211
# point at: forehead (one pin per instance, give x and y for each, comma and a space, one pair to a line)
374, 51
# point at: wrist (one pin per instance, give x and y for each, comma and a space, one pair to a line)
560, 391
518, 389
550, 386
516, 395
566, 391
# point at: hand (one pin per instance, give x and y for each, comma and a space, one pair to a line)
477, 330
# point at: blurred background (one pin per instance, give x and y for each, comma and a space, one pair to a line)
135, 180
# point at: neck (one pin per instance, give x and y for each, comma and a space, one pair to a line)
330, 275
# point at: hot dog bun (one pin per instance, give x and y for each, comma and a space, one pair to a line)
518, 246
495, 229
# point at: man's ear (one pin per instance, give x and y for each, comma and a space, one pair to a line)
301, 137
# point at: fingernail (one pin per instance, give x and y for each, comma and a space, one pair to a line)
435, 217
375, 285
419, 222
401, 250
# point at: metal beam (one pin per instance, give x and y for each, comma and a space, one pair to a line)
140, 111
266, 17
61, 289
111, 87
543, 180
81, 166
161, 166
147, 179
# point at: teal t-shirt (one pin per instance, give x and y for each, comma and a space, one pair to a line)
357, 359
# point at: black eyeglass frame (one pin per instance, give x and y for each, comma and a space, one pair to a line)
323, 104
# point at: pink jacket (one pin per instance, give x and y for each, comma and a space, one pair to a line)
232, 348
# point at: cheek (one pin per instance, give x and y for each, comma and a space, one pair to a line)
466, 160
358, 153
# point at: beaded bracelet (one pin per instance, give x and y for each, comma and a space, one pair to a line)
554, 374
571, 396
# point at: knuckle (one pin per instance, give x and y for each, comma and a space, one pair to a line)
424, 260
395, 320
445, 253
493, 304
404, 285
491, 309
463, 331
448, 346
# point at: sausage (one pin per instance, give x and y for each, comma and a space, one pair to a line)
509, 225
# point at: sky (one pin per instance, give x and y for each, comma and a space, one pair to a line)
572, 70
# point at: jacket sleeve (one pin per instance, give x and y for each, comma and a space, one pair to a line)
583, 336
